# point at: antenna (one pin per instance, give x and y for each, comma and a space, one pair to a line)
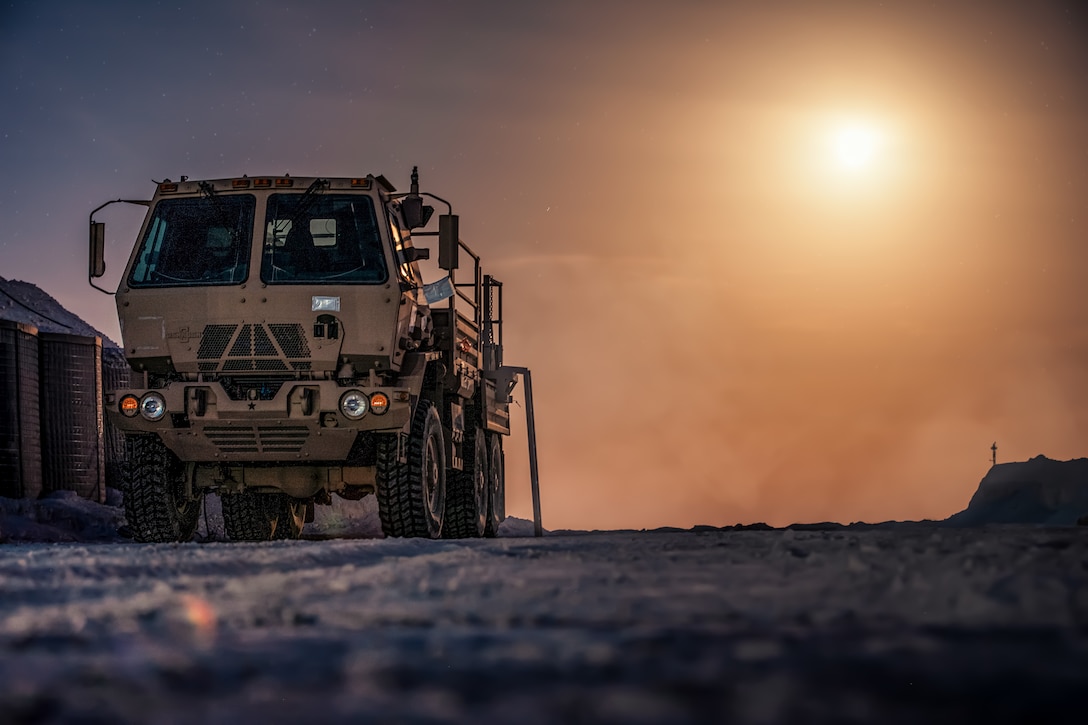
413, 211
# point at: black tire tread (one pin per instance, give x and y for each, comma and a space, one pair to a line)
496, 509
245, 517
401, 500
462, 512
150, 496
251, 516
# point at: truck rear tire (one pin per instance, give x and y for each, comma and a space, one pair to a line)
412, 495
467, 494
251, 516
496, 486
153, 481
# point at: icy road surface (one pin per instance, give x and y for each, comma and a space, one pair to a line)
899, 624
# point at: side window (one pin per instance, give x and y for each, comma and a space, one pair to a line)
406, 271
149, 252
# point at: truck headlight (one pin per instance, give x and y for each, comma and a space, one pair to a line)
353, 404
153, 406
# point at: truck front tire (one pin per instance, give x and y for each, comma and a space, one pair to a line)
157, 506
412, 495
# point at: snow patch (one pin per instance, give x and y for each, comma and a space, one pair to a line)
513, 527
61, 516
64, 516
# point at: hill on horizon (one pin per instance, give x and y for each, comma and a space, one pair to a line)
1037, 491
27, 303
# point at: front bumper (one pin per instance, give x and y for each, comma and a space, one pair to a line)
301, 422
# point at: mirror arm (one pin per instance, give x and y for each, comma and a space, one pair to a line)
414, 254
97, 266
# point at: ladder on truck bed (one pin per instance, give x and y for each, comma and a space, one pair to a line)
475, 342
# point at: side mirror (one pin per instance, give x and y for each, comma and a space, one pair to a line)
98, 249
414, 212
448, 241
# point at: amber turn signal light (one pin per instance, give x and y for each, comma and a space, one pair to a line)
379, 403
129, 405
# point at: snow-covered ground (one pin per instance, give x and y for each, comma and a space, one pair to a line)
63, 516
936, 622
895, 623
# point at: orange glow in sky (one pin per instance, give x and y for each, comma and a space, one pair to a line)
777, 262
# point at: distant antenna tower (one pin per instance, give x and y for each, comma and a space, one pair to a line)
993, 448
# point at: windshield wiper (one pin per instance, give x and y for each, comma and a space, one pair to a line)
231, 225
221, 211
303, 205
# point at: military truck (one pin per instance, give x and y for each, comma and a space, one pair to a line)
286, 350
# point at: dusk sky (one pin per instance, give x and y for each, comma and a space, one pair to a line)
768, 261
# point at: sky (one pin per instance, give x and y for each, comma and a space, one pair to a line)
768, 261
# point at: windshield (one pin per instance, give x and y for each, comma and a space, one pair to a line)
324, 238
196, 242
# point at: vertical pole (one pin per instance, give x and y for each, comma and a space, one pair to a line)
534, 479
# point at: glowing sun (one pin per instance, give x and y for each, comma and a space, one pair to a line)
856, 146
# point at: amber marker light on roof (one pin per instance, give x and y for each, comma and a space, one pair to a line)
360, 183
280, 183
240, 183
129, 406
167, 187
262, 183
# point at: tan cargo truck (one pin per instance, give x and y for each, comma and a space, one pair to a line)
287, 350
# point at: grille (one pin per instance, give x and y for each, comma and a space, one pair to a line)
215, 341
257, 439
247, 365
265, 388
243, 345
291, 340
253, 348
261, 344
